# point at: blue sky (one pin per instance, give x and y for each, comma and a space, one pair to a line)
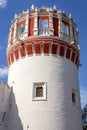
78, 9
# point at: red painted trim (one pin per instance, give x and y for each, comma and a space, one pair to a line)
68, 52
55, 26
8, 61
22, 51
65, 22
37, 48
29, 49
54, 49
46, 48
21, 22
43, 18
73, 56
36, 44
12, 57
62, 49
31, 26
16, 54
45, 40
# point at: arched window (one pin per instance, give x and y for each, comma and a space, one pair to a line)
39, 91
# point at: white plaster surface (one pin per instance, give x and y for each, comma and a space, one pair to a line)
5, 96
57, 112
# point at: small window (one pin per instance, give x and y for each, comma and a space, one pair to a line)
43, 26
73, 97
22, 28
65, 29
39, 91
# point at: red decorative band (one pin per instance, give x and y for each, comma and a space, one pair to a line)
43, 48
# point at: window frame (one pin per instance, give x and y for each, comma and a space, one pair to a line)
35, 86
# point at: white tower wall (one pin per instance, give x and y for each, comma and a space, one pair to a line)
5, 98
58, 111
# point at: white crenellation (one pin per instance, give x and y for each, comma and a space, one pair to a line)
32, 7
54, 7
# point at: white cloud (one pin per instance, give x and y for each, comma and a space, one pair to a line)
3, 3
83, 94
3, 72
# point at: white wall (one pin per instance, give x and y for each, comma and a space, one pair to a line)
58, 112
5, 95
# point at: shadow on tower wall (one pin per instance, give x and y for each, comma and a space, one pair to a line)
14, 121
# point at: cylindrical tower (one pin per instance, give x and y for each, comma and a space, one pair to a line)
43, 60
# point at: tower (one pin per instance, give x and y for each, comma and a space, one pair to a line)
43, 60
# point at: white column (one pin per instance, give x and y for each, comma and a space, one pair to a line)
36, 23
9, 38
25, 48
60, 23
58, 49
71, 54
27, 25
65, 51
19, 53
51, 30
76, 34
50, 48
71, 29
15, 31
14, 55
